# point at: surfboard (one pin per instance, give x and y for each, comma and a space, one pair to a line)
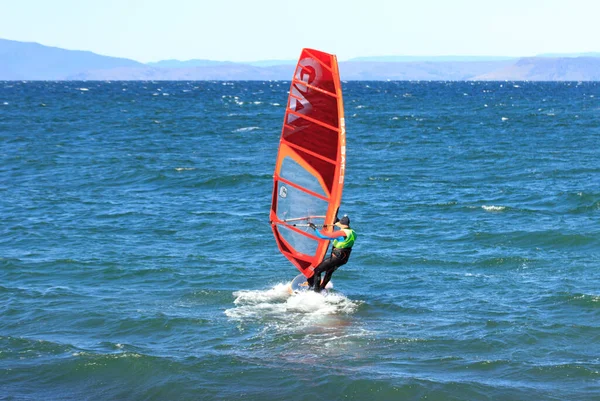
299, 284
311, 161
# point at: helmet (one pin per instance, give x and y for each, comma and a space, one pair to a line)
345, 220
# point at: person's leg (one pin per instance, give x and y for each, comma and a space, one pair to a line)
327, 277
316, 283
338, 258
323, 267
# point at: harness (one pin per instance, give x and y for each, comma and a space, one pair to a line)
348, 240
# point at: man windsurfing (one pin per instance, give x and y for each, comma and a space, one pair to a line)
343, 240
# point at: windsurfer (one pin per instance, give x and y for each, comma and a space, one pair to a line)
343, 240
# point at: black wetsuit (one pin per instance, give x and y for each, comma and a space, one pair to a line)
338, 257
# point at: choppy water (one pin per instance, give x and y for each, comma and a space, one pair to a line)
137, 262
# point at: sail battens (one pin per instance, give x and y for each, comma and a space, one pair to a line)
310, 52
313, 120
315, 154
301, 188
316, 88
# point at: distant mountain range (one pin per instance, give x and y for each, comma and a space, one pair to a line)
32, 61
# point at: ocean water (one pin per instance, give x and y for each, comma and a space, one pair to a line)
137, 260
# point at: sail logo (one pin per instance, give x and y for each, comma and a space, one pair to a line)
308, 72
283, 192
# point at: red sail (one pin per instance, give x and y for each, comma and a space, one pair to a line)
310, 166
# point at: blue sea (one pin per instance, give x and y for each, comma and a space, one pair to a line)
137, 261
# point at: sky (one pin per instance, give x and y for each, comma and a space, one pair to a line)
252, 30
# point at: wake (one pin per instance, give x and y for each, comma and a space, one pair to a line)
277, 303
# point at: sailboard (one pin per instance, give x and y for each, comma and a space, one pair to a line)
300, 284
311, 161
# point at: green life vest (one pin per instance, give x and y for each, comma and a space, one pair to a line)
346, 242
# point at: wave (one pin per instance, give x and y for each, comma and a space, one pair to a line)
246, 129
232, 180
14, 346
551, 371
552, 238
493, 208
577, 299
583, 202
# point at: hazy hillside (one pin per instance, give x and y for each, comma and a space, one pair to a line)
211, 63
559, 55
216, 73
407, 59
547, 69
188, 63
32, 61
424, 71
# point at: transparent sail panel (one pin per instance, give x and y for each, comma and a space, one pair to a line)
299, 242
297, 207
294, 172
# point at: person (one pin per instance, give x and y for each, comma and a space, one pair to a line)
343, 240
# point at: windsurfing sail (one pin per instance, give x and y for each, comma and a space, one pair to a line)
311, 161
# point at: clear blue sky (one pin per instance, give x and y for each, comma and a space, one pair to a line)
250, 30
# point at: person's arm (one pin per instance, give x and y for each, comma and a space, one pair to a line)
329, 236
